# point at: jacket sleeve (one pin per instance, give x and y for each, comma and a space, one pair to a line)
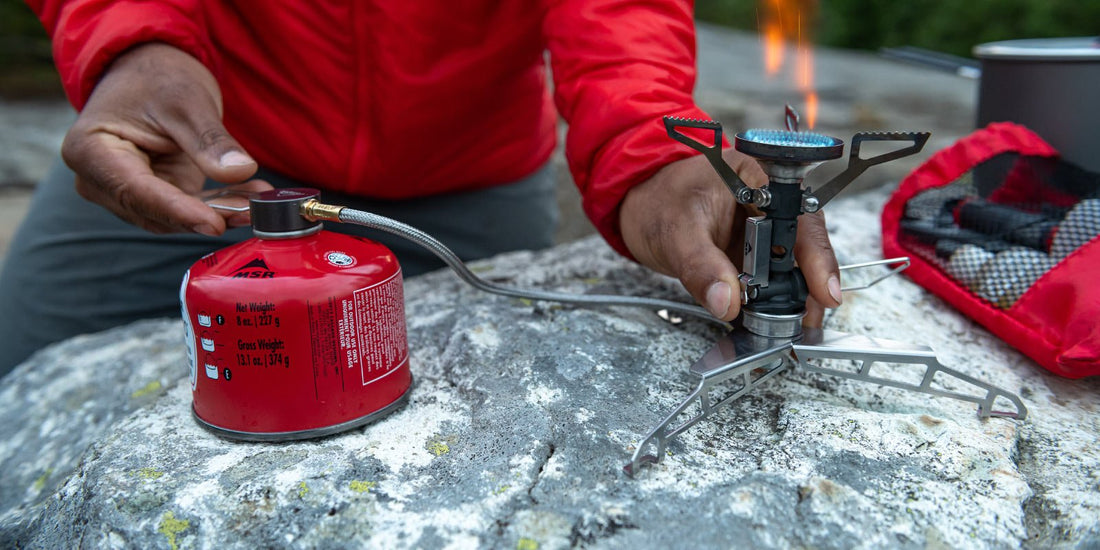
618, 67
88, 34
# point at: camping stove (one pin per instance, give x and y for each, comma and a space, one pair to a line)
768, 337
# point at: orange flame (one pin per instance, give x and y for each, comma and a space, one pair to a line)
811, 108
773, 48
782, 22
806, 79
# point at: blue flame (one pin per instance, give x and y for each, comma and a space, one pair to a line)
784, 138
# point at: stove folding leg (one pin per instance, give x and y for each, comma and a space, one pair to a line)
746, 361
867, 351
740, 358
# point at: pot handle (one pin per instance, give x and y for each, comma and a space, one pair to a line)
960, 66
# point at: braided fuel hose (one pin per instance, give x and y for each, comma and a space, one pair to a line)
314, 210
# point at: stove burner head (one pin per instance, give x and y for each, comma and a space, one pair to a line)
787, 138
789, 147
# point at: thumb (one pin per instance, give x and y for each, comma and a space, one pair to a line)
678, 223
218, 155
681, 248
709, 276
186, 104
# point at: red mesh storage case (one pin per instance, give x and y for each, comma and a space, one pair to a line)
1006, 231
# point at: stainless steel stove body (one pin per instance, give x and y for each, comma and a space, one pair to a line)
767, 337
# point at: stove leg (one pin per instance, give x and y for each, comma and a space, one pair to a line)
744, 377
867, 351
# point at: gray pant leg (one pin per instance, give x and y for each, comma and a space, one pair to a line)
75, 268
474, 224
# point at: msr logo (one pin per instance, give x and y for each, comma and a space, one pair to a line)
256, 269
210, 260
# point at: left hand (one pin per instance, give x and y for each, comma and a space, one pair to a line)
684, 222
150, 136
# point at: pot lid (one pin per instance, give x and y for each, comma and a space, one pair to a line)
1080, 48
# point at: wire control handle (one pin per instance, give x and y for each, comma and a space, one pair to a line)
713, 153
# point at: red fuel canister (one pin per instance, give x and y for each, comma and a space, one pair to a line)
296, 333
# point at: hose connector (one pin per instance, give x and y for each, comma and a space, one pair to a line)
276, 213
314, 210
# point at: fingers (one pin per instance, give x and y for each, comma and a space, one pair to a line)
706, 273
117, 175
236, 198
746, 167
815, 314
202, 137
684, 222
690, 255
678, 223
816, 259
148, 138
186, 105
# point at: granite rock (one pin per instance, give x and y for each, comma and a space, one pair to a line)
522, 415
30, 138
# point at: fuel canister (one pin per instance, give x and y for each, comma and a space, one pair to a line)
297, 332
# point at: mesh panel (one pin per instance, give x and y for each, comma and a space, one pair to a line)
999, 227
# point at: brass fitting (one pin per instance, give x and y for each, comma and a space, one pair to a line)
314, 210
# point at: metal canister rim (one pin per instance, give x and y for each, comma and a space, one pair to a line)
1080, 48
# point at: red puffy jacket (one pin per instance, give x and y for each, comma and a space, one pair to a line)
396, 99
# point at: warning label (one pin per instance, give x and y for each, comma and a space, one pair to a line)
324, 339
361, 336
381, 342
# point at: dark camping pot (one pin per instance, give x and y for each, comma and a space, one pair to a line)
1050, 85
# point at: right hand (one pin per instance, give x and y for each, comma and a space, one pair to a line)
684, 222
148, 138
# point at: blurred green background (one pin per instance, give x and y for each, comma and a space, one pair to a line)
941, 25
26, 68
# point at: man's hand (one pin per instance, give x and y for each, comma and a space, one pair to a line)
148, 138
684, 222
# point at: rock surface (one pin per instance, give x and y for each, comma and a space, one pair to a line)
522, 416
30, 137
